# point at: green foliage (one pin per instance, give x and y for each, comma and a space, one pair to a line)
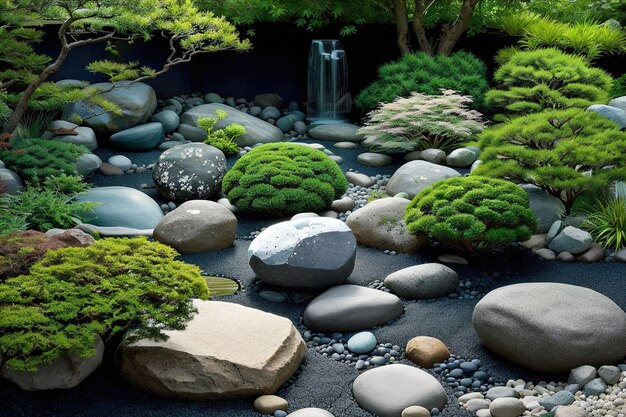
585, 38
20, 250
222, 139
619, 86
67, 185
607, 223
33, 124
74, 294
40, 209
421, 73
473, 214
421, 122
377, 195
564, 152
284, 178
531, 81
221, 285
37, 159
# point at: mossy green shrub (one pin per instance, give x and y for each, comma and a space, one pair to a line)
284, 178
20, 250
473, 214
74, 294
37, 159
421, 122
565, 152
222, 139
421, 73
532, 81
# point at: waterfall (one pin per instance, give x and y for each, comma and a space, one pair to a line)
328, 97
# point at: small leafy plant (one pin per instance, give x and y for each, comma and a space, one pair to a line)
472, 214
606, 220
422, 121
74, 294
222, 139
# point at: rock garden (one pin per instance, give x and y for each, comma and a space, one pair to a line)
451, 241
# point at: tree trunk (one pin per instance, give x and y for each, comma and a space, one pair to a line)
450, 36
402, 26
418, 27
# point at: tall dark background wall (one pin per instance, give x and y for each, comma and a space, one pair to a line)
277, 63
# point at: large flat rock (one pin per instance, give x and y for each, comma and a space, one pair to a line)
257, 130
227, 351
551, 327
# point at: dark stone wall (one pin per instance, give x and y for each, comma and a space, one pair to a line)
278, 61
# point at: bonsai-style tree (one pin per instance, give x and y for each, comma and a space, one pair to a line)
84, 22
531, 81
564, 152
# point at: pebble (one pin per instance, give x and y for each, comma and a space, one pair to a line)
268, 404
452, 259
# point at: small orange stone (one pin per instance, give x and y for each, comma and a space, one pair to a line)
425, 351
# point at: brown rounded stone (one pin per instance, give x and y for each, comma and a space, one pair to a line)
425, 351
268, 404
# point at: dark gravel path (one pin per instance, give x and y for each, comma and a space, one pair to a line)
321, 382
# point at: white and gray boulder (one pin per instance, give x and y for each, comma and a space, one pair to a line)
506, 407
197, 226
67, 371
380, 224
137, 102
314, 252
257, 130
337, 132
571, 239
547, 209
551, 327
614, 114
434, 156
192, 171
351, 308
386, 391
418, 282
227, 351
121, 207
414, 176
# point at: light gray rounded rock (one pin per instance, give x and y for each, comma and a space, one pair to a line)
299, 127
413, 156
13, 183
67, 371
388, 390
257, 131
614, 114
85, 136
57, 127
547, 209
144, 137
414, 176
343, 204
137, 101
197, 226
314, 252
524, 324
418, 282
351, 308
434, 156
571, 411
192, 171
461, 158
310, 412
595, 387
120, 161
337, 132
560, 398
87, 164
372, 159
609, 374
270, 112
168, 118
581, 375
618, 102
192, 133
501, 392
554, 231
476, 404
572, 240
415, 411
506, 407
359, 179
380, 224
121, 207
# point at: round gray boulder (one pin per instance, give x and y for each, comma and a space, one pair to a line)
547, 209
388, 390
571, 239
168, 118
380, 224
461, 158
418, 282
550, 327
192, 171
139, 138
87, 164
338, 132
197, 226
137, 102
414, 176
314, 252
121, 207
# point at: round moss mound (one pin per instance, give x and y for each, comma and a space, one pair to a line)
473, 214
284, 178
